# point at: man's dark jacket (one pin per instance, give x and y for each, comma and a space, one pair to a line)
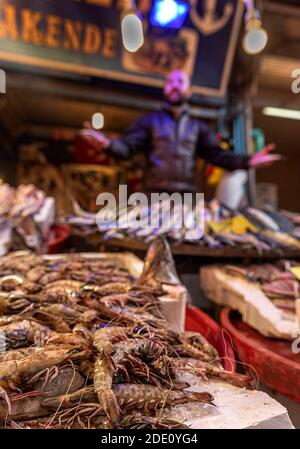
172, 147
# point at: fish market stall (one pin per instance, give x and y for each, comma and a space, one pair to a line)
98, 324
247, 233
89, 346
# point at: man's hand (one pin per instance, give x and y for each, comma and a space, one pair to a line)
263, 158
95, 138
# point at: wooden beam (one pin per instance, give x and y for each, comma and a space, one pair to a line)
94, 94
281, 9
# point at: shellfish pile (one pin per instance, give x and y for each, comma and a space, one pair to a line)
84, 345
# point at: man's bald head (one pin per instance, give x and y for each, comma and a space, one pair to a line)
177, 88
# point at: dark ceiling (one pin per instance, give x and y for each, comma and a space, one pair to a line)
282, 55
46, 103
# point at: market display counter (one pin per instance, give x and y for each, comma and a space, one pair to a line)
95, 240
193, 250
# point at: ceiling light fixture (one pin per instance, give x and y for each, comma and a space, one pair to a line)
132, 27
292, 114
98, 120
256, 37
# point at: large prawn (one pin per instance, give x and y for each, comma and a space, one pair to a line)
14, 372
103, 340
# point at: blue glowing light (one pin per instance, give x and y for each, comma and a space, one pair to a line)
169, 13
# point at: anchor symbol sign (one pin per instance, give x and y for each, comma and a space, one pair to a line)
210, 23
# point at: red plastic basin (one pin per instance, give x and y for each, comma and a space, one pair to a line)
198, 321
274, 361
59, 234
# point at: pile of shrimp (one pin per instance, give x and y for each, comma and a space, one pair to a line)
84, 345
